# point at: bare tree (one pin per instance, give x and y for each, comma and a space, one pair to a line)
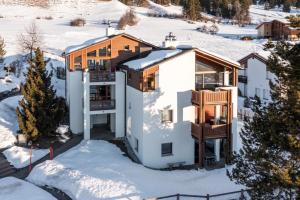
30, 40
2, 50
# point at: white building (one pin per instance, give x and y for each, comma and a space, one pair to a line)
173, 106
255, 78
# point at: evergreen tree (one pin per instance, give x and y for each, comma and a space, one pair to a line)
40, 111
269, 161
286, 6
192, 9
2, 50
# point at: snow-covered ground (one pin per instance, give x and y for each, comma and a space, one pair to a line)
8, 121
15, 189
258, 14
19, 157
99, 170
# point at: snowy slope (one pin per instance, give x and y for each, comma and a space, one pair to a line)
15, 189
8, 121
98, 170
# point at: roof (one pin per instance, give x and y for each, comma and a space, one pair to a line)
218, 57
284, 21
155, 57
94, 41
261, 56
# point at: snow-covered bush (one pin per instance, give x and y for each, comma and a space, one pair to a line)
78, 22
203, 29
213, 29
129, 18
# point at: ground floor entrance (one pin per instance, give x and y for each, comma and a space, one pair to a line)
103, 126
213, 153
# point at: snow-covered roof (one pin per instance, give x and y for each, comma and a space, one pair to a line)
262, 55
204, 51
85, 44
153, 57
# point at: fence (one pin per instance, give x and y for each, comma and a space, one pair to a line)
235, 195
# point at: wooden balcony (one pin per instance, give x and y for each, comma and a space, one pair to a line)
102, 76
207, 131
210, 97
215, 131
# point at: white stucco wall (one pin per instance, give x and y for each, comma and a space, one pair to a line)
119, 117
76, 101
176, 80
134, 119
257, 78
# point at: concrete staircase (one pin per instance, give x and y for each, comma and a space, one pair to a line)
6, 169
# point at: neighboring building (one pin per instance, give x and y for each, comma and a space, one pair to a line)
277, 30
173, 106
254, 79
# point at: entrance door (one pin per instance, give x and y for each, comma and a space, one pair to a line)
196, 152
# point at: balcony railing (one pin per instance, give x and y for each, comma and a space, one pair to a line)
242, 79
215, 131
209, 97
102, 105
209, 131
102, 76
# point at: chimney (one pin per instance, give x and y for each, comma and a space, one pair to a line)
110, 30
170, 41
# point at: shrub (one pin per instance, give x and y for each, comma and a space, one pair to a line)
49, 18
129, 18
38, 17
78, 22
213, 29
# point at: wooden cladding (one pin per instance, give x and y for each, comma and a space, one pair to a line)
145, 81
115, 49
210, 97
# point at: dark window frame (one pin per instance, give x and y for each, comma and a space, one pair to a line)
167, 149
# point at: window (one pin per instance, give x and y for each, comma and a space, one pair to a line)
92, 53
150, 84
166, 149
102, 51
166, 116
78, 59
136, 145
126, 48
257, 92
109, 50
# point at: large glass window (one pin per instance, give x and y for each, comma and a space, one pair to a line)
209, 80
92, 53
166, 149
102, 51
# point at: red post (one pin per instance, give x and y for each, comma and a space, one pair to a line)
51, 152
30, 160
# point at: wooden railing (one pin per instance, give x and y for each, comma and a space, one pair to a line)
209, 97
102, 76
215, 131
196, 130
209, 131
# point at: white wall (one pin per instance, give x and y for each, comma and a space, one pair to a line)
76, 101
120, 104
257, 78
134, 118
176, 80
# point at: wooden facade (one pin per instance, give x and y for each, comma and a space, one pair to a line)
202, 129
114, 50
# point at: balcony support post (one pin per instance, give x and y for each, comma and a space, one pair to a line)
86, 105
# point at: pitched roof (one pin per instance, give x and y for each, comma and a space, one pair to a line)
154, 57
94, 41
224, 60
261, 56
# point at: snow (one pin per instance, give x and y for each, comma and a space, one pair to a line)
8, 121
99, 170
153, 57
164, 10
19, 157
85, 44
63, 130
15, 189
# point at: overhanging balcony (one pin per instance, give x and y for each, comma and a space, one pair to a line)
102, 105
208, 131
102, 76
210, 97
